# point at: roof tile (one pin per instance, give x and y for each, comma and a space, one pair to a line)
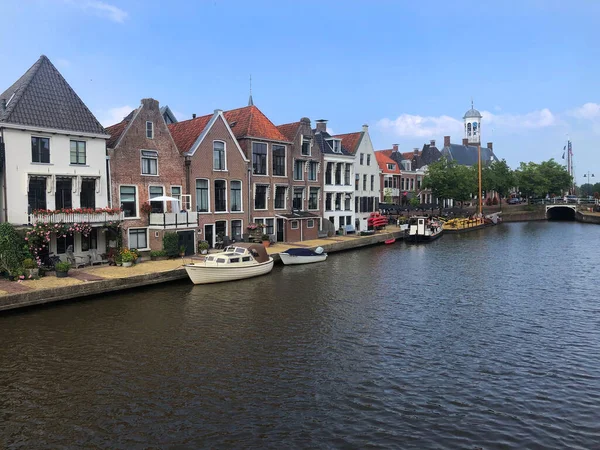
186, 132
249, 121
350, 141
383, 160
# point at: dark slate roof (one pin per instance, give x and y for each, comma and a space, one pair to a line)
321, 139
466, 155
427, 156
43, 98
166, 111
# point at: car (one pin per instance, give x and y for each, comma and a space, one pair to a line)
514, 201
571, 199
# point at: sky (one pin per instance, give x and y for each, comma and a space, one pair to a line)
407, 69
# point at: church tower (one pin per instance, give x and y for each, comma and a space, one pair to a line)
472, 120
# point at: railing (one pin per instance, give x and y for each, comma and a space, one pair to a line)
99, 217
174, 220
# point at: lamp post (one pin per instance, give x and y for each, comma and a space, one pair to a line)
589, 182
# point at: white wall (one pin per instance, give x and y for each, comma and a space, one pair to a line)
19, 166
366, 147
333, 188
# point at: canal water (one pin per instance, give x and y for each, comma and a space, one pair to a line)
484, 340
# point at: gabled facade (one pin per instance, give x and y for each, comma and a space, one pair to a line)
466, 154
389, 179
53, 158
338, 176
216, 176
145, 164
367, 179
303, 213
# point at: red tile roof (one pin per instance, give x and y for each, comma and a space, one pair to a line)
289, 130
117, 129
249, 121
409, 155
350, 141
383, 160
185, 133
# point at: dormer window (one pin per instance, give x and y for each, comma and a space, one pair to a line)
149, 130
391, 166
306, 144
336, 145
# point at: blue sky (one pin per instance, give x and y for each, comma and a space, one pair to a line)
408, 69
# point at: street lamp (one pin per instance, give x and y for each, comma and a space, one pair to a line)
589, 182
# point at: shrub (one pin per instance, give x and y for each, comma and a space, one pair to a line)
28, 263
62, 266
156, 253
127, 255
171, 243
203, 245
11, 248
265, 237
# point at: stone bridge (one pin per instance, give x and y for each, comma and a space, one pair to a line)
561, 212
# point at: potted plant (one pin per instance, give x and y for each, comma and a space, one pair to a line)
127, 256
203, 247
158, 255
182, 250
62, 269
146, 208
137, 256
266, 240
31, 268
118, 260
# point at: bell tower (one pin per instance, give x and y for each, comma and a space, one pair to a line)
472, 119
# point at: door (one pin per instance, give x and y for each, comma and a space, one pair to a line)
280, 227
209, 235
186, 239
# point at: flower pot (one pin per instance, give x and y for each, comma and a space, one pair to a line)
119, 264
32, 273
138, 260
127, 264
61, 274
203, 252
266, 243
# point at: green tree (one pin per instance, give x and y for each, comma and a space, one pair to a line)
465, 183
502, 179
387, 195
11, 248
556, 179
440, 179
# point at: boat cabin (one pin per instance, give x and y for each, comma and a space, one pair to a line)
239, 254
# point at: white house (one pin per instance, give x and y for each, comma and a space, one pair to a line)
367, 174
338, 171
53, 161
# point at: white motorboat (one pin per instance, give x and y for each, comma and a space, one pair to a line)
236, 262
424, 229
302, 256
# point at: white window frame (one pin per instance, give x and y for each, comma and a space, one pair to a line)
163, 193
292, 222
129, 238
266, 208
196, 195
224, 155
151, 129
303, 162
310, 221
310, 163
226, 210
77, 141
137, 201
308, 197
391, 166
180, 196
285, 153
362, 159
241, 221
284, 196
241, 210
309, 140
267, 166
142, 157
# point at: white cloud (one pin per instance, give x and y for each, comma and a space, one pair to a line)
114, 115
101, 9
589, 111
535, 119
419, 126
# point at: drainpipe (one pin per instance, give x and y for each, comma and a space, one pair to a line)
249, 194
108, 191
3, 156
188, 163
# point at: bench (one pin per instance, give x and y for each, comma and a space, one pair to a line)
350, 229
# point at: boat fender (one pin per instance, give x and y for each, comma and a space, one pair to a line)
319, 250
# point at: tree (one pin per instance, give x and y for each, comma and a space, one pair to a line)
387, 196
556, 179
465, 182
440, 179
11, 248
502, 178
529, 180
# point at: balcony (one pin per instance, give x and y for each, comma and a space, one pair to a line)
174, 221
100, 216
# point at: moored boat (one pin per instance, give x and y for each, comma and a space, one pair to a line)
302, 256
376, 220
236, 262
389, 241
424, 229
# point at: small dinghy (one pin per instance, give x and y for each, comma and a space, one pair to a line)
302, 256
389, 241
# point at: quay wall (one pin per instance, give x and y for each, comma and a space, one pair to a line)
587, 218
524, 216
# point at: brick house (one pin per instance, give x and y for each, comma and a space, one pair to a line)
389, 178
145, 164
216, 176
303, 215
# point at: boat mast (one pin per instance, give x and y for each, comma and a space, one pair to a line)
480, 199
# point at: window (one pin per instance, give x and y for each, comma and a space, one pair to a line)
364, 182
90, 242
138, 238
260, 198
362, 158
128, 201
63, 243
259, 158
391, 166
299, 170
306, 146
297, 200
280, 197
77, 152
310, 223
221, 229
338, 202
245, 258
356, 182
202, 195
236, 195
220, 195
149, 162
328, 198
157, 206
348, 203
40, 150
176, 193
328, 173
279, 160
313, 198
347, 174
338, 174
312, 170
64, 187
336, 144
236, 230
149, 133
269, 226
218, 155
87, 196
368, 160
356, 206
294, 224
36, 196
372, 182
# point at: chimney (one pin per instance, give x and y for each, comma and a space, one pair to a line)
416, 150
432, 143
465, 142
490, 146
365, 128
446, 141
3, 107
305, 120
150, 103
395, 148
321, 124
194, 116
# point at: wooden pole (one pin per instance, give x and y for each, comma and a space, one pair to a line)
480, 199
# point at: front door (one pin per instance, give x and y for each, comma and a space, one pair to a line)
209, 235
280, 228
186, 239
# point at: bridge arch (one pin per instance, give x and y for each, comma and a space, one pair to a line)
560, 212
